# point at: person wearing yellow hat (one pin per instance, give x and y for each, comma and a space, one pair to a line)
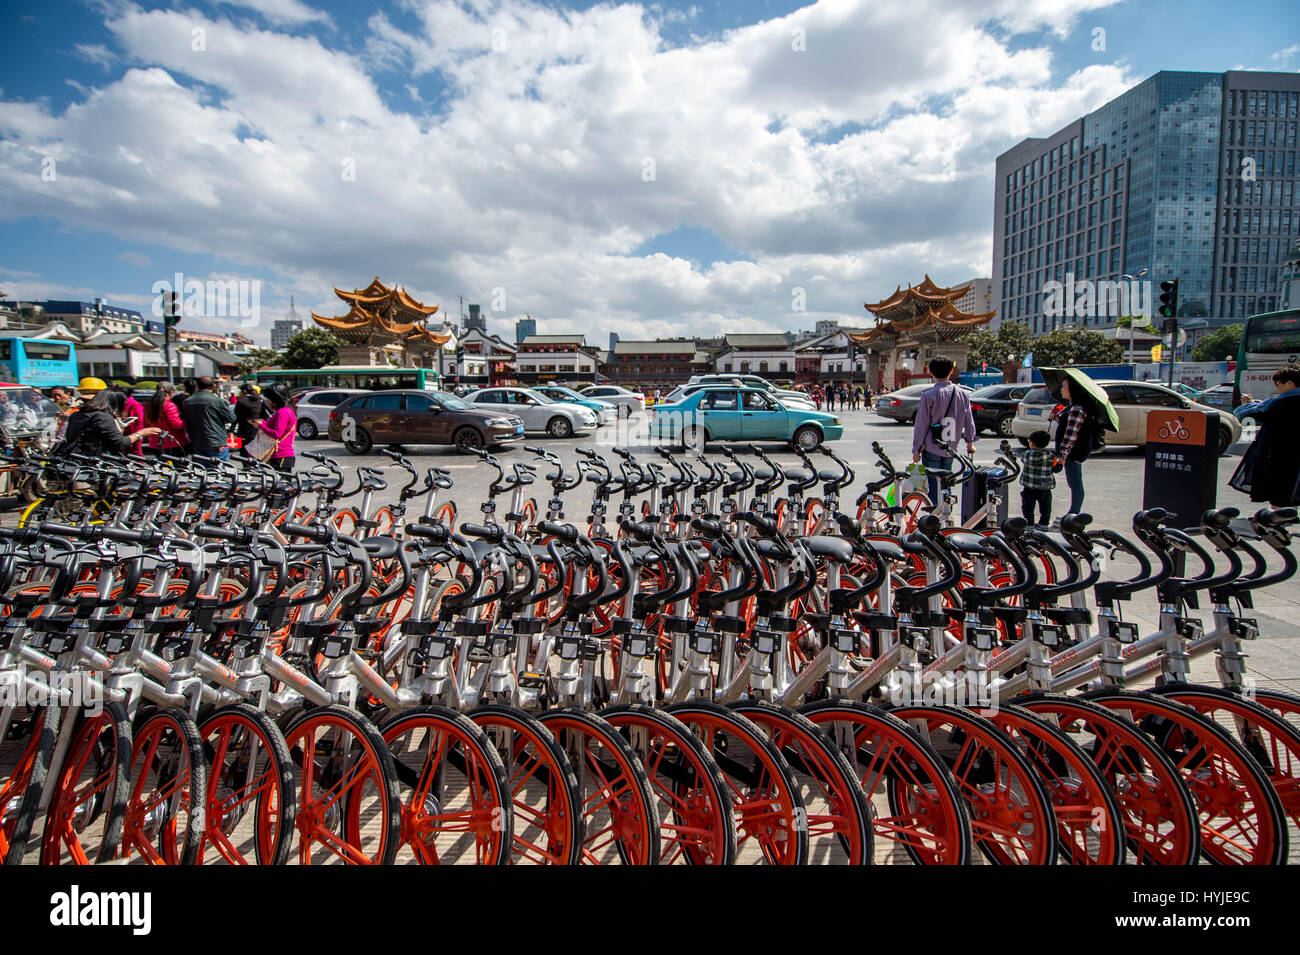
90, 386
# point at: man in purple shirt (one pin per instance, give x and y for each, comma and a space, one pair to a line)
944, 408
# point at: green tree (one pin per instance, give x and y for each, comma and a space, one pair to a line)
1125, 321
259, 358
1219, 345
1010, 338
1076, 346
311, 348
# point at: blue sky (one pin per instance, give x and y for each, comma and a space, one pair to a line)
842, 169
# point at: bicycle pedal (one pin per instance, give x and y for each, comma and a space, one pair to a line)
532, 681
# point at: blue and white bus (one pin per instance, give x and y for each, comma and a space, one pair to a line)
39, 362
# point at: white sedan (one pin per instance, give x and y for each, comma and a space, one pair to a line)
629, 402
538, 412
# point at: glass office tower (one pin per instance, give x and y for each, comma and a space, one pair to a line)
1189, 175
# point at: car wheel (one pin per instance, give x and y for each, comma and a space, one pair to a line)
806, 438
559, 427
1003, 427
306, 429
361, 442
1225, 441
467, 439
694, 439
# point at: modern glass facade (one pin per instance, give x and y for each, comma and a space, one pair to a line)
1150, 180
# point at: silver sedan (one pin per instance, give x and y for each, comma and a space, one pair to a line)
539, 413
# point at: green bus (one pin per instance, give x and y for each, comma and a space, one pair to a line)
367, 377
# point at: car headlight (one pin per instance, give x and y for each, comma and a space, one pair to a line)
835, 420
499, 422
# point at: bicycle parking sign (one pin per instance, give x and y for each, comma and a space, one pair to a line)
1182, 467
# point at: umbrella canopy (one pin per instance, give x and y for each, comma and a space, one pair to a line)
1085, 391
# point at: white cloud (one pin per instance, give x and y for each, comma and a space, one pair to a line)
1284, 56
283, 12
845, 169
97, 53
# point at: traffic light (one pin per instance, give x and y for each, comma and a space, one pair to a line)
172, 310
1169, 298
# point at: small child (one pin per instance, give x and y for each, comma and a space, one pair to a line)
1036, 476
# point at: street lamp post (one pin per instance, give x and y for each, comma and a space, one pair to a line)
1132, 278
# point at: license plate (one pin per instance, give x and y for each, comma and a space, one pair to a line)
1036, 412
519, 429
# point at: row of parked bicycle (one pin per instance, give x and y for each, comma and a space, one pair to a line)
222, 665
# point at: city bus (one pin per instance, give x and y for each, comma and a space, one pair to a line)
39, 362
367, 377
1270, 341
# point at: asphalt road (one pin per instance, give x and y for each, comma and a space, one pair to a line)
1113, 479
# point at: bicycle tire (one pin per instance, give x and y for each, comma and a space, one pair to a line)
248, 763
769, 810
935, 829
1160, 820
346, 768
1089, 822
632, 816
981, 784
1286, 705
1223, 778
696, 822
841, 833
1264, 734
453, 741
166, 747
105, 736
533, 758
25, 783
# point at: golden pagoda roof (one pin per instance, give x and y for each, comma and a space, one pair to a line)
378, 296
923, 295
378, 314
943, 322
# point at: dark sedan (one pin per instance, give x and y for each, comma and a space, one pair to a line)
994, 406
418, 417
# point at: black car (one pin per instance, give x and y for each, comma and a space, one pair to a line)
995, 405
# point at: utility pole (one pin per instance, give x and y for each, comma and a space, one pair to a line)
170, 318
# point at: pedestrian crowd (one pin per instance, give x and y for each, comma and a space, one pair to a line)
847, 397
192, 420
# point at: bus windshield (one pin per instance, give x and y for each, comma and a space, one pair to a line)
1273, 335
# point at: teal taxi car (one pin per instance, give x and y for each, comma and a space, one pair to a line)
741, 414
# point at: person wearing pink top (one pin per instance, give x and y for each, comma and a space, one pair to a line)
282, 426
162, 413
134, 410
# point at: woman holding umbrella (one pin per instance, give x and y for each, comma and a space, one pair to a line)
1087, 409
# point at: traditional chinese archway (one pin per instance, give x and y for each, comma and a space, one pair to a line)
384, 325
920, 322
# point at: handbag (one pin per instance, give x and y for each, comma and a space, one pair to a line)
261, 446
936, 429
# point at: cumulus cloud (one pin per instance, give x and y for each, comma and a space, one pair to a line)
283, 12
561, 141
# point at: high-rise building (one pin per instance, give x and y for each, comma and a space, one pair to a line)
613, 340
978, 299
1188, 175
475, 319
283, 329
525, 327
